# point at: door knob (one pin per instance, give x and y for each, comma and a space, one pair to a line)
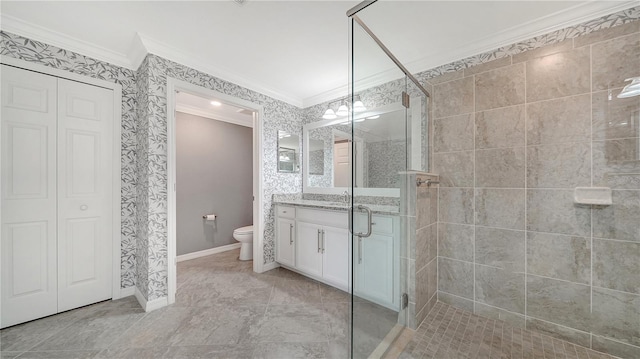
84, 207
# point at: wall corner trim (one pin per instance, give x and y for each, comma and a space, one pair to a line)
270, 266
150, 305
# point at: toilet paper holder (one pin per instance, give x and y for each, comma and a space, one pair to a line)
210, 216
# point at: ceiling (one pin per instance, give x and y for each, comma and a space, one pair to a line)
295, 51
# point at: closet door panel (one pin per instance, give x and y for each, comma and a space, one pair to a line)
85, 234
28, 181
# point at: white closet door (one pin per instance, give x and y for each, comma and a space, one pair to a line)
85, 115
28, 147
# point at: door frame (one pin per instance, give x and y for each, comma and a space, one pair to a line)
173, 85
116, 240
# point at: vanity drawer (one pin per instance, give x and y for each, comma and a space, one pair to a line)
327, 218
381, 224
286, 212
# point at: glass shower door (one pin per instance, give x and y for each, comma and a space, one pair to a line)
379, 160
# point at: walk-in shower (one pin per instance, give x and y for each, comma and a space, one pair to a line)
517, 177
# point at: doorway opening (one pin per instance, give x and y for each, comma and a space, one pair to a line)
214, 169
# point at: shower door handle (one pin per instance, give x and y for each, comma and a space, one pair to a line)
359, 250
369, 220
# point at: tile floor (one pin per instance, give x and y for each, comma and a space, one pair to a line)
452, 333
222, 310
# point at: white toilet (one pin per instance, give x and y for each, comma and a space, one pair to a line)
244, 235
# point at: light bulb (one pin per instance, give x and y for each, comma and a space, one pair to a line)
358, 106
329, 114
343, 110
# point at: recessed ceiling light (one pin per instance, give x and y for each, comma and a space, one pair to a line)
216, 103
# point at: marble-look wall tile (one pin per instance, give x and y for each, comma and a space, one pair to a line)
503, 167
607, 34
426, 245
554, 211
501, 248
500, 288
502, 127
453, 97
558, 75
559, 166
616, 265
514, 319
500, 88
503, 208
453, 133
544, 51
455, 205
616, 163
455, 301
613, 347
454, 168
559, 302
455, 241
566, 119
488, 66
455, 277
615, 60
558, 331
611, 117
619, 220
616, 315
559, 256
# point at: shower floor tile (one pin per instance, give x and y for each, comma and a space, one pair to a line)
453, 333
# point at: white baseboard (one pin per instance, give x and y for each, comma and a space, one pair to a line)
151, 304
270, 266
125, 292
207, 252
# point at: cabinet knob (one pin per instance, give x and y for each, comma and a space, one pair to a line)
84, 207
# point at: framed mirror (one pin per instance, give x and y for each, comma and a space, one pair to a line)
382, 150
288, 152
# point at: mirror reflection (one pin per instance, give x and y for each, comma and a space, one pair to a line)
288, 152
379, 142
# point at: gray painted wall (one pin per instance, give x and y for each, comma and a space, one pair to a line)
214, 175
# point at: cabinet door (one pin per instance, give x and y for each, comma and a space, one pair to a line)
335, 259
374, 276
85, 198
285, 242
308, 248
29, 259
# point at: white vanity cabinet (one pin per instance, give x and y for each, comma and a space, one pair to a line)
321, 249
375, 270
285, 235
320, 245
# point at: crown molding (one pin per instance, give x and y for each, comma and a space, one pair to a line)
168, 52
39, 33
191, 110
572, 16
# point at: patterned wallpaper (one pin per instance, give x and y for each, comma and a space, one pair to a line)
277, 116
144, 198
37, 52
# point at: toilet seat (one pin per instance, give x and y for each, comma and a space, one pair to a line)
243, 230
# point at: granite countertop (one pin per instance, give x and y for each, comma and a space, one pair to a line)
337, 206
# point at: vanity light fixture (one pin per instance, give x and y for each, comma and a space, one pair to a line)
358, 106
343, 110
329, 114
632, 89
216, 103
